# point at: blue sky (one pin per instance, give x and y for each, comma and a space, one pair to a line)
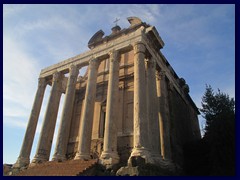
199, 44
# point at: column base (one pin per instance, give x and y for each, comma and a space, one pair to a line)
58, 158
168, 164
157, 158
38, 160
82, 156
143, 153
21, 162
142, 169
108, 159
143, 163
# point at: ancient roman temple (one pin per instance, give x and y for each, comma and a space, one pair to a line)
130, 103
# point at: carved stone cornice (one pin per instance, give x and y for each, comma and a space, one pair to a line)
186, 88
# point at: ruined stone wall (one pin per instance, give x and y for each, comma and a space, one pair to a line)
182, 124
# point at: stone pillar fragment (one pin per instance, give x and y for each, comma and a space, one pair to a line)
152, 103
46, 136
64, 128
140, 131
109, 155
85, 131
23, 159
163, 114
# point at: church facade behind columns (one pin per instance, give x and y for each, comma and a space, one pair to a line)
130, 102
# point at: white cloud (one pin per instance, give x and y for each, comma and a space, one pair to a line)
12, 9
46, 24
15, 122
20, 73
145, 12
21, 67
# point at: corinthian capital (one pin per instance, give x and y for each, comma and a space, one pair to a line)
139, 47
94, 63
170, 86
114, 56
41, 82
73, 70
162, 74
57, 76
151, 63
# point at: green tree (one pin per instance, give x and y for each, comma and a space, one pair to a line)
216, 106
219, 111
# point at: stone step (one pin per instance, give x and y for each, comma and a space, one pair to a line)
53, 168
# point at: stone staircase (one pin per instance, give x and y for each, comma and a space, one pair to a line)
53, 168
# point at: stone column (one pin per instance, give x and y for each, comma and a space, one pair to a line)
64, 128
140, 137
46, 136
163, 114
85, 131
23, 159
109, 155
152, 103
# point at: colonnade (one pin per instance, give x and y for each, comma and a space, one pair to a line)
146, 136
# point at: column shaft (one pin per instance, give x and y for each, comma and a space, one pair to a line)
164, 116
140, 136
25, 152
109, 155
153, 122
46, 136
64, 128
85, 130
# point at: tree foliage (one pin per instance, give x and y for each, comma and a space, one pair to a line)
219, 111
216, 107
214, 154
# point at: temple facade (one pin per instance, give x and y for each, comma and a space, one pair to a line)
129, 103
